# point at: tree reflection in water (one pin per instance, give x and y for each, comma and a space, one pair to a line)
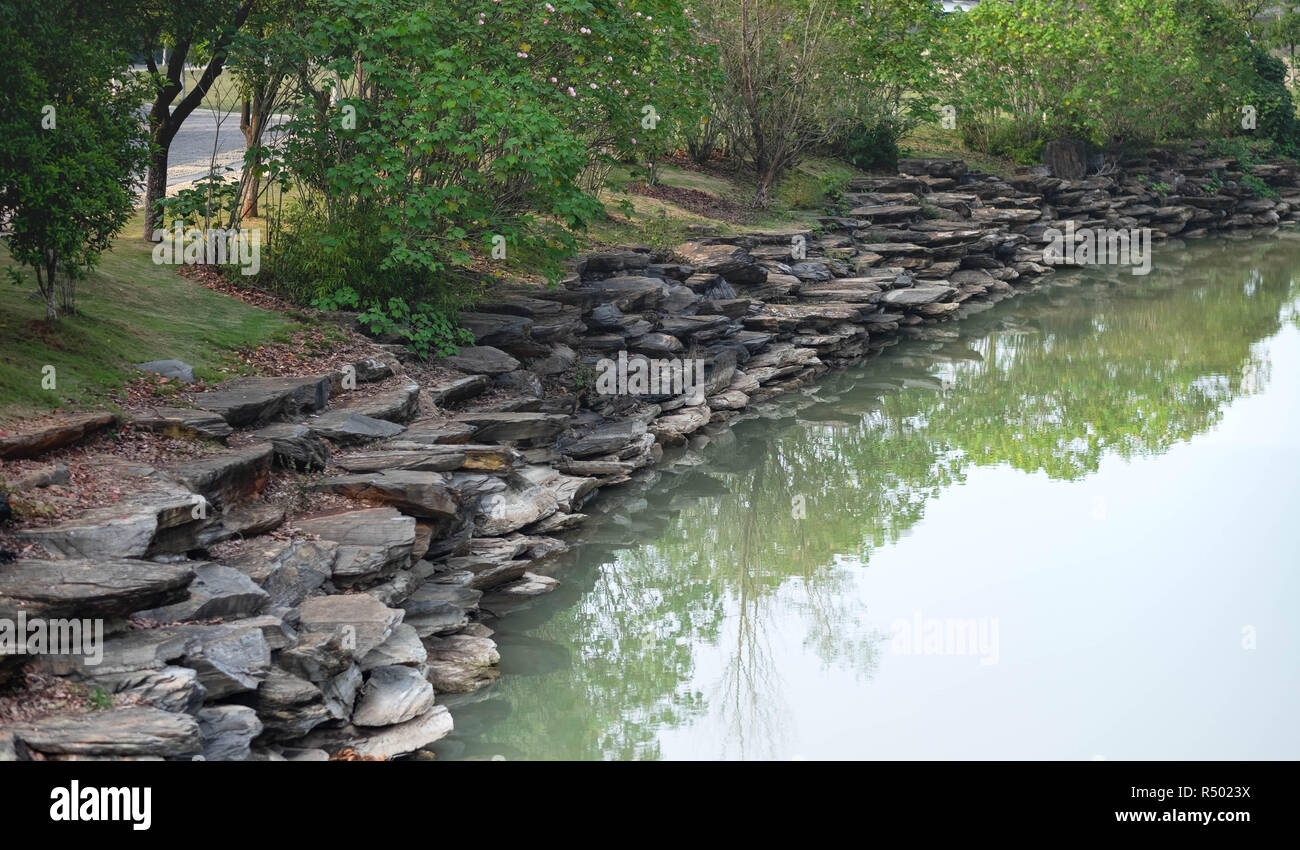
1094, 365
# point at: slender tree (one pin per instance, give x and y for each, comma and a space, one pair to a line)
72, 145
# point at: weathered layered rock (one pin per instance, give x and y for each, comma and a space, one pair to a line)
512, 509
432, 459
255, 401
389, 742
534, 428
227, 731
400, 405
180, 422
287, 570
371, 542
88, 589
124, 732
392, 695
462, 663
289, 706
227, 478
47, 438
416, 493
359, 621
217, 592
296, 446
459, 389
478, 360
123, 530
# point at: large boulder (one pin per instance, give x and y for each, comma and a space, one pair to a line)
392, 695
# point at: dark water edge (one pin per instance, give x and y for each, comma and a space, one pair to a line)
1095, 482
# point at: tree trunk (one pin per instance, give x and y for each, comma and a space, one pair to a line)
250, 123
47, 288
165, 121
155, 189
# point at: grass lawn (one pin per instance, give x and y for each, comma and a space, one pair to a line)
931, 140
796, 201
130, 311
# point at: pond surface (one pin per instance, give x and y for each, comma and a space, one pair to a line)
1063, 528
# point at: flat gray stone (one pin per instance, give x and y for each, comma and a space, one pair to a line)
257, 401
402, 647
389, 742
89, 589
347, 428
174, 369
917, 295
479, 360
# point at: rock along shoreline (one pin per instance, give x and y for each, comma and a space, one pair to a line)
334, 635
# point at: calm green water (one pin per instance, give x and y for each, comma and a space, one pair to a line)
1063, 528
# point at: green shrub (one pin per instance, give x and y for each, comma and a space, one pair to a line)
1018, 141
1275, 111
870, 147
211, 202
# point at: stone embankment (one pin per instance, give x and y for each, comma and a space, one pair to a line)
335, 633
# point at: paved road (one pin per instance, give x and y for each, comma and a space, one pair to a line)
205, 138
204, 134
